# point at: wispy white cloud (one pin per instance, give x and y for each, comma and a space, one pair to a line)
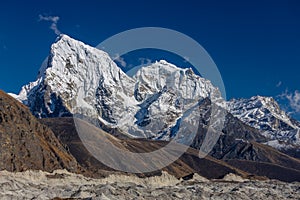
279, 84
293, 100
145, 61
120, 60
54, 20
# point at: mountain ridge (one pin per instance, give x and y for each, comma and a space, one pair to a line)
264, 113
79, 79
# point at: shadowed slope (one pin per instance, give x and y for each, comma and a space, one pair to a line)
188, 163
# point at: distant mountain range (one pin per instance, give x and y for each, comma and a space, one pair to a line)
264, 114
28, 143
257, 136
47, 144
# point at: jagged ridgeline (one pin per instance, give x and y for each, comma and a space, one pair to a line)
79, 79
82, 81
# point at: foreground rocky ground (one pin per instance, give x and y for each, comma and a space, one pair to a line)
62, 184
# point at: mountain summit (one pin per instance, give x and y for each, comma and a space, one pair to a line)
162, 102
264, 114
82, 80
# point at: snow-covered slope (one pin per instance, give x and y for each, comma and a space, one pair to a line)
264, 113
75, 73
79, 79
166, 93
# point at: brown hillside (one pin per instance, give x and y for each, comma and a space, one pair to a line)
25, 143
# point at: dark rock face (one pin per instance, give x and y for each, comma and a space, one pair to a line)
236, 141
43, 103
27, 144
103, 95
234, 134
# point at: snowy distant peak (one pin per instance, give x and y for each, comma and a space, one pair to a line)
244, 104
162, 75
267, 102
270, 104
265, 114
165, 64
258, 107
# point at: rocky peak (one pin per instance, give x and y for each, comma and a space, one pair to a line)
79, 79
264, 113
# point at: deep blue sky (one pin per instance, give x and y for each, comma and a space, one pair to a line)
255, 44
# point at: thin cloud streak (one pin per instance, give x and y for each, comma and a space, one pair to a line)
54, 20
293, 100
279, 84
145, 61
120, 60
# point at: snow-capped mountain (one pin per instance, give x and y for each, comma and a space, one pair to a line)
264, 113
79, 79
74, 74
